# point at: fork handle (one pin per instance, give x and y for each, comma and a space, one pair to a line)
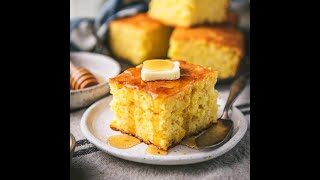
236, 88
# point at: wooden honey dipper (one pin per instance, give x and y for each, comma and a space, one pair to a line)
81, 78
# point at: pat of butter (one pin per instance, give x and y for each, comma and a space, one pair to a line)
153, 70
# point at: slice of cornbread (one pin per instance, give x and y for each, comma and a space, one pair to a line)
164, 112
189, 12
138, 38
220, 48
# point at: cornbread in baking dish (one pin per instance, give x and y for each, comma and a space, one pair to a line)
220, 48
164, 112
138, 38
189, 12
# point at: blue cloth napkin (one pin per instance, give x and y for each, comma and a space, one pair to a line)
112, 9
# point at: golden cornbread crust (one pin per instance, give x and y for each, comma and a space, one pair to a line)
220, 48
232, 21
189, 73
186, 13
139, 21
223, 36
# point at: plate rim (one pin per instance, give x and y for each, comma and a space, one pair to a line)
159, 160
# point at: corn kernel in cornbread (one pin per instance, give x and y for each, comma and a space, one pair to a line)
162, 113
138, 38
220, 48
189, 12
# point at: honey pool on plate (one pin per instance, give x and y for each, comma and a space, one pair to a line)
155, 151
125, 141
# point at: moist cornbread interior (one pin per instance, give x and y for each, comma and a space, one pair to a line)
138, 38
189, 12
220, 48
164, 112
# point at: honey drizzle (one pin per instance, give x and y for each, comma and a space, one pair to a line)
190, 142
158, 65
123, 141
213, 135
155, 151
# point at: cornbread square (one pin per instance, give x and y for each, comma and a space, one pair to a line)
138, 38
220, 48
162, 112
186, 13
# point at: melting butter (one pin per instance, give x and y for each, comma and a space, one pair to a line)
158, 65
154, 70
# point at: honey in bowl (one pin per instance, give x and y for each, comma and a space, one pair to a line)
100, 79
123, 141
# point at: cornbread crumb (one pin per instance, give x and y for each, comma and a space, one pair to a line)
162, 113
138, 38
189, 12
220, 48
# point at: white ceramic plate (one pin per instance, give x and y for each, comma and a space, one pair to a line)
95, 127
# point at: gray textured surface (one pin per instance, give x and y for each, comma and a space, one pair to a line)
235, 164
